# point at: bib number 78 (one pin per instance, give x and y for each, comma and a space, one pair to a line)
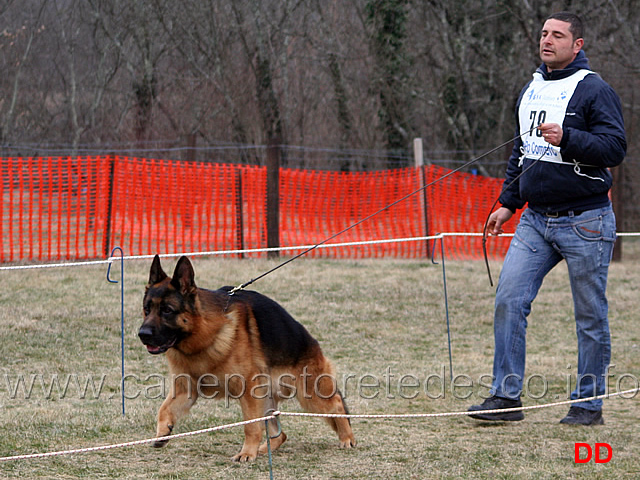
536, 119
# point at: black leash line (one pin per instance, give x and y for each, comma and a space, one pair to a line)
486, 223
304, 252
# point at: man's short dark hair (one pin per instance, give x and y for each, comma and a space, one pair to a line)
575, 23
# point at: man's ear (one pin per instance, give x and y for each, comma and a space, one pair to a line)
183, 277
577, 45
156, 274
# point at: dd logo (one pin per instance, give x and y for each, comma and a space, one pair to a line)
595, 452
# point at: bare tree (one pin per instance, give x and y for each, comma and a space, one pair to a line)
86, 65
17, 49
134, 29
388, 21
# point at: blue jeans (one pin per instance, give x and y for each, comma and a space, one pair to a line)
586, 242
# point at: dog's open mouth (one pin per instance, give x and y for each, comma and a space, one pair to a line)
158, 349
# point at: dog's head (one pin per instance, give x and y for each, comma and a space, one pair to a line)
168, 306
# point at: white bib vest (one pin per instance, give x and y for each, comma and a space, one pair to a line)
545, 101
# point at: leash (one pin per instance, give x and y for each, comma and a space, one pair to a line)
304, 252
504, 188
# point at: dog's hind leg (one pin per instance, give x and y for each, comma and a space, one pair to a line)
340, 425
276, 436
318, 393
253, 407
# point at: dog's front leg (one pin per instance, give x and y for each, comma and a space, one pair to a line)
252, 438
181, 398
251, 408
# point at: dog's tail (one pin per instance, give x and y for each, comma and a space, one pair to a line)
333, 422
344, 405
340, 426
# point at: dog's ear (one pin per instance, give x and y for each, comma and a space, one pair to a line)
183, 277
156, 274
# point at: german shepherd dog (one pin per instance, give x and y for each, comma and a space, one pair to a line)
243, 346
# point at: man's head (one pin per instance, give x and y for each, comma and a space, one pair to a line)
560, 40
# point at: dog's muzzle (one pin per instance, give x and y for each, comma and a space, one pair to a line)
150, 339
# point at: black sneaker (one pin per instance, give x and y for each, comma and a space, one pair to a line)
497, 403
582, 416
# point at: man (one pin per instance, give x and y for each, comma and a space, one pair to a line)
572, 131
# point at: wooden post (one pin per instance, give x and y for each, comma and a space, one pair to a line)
273, 196
190, 157
190, 151
419, 164
106, 241
239, 213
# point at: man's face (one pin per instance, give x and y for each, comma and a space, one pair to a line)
557, 46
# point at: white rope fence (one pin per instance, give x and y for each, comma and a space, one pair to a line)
263, 250
132, 443
234, 252
277, 413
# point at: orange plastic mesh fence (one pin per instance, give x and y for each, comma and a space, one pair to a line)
315, 205
54, 208
461, 203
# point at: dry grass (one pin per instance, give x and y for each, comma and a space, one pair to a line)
378, 320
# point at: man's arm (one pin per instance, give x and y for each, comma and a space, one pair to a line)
603, 143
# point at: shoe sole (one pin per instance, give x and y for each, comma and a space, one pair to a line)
499, 417
600, 421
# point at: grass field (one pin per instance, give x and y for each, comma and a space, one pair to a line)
383, 324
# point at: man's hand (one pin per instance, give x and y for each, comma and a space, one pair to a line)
497, 219
551, 132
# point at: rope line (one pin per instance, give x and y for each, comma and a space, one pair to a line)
278, 413
133, 443
234, 252
456, 414
262, 250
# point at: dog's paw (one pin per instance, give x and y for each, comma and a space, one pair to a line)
244, 457
348, 443
161, 443
275, 443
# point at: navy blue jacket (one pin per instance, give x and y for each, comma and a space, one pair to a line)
593, 134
